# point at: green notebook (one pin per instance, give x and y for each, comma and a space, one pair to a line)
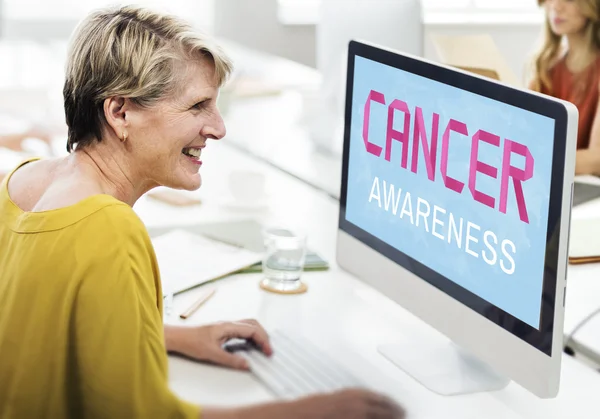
313, 262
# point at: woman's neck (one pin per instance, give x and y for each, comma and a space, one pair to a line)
579, 53
110, 176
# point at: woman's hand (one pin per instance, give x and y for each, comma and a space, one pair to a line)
205, 343
344, 404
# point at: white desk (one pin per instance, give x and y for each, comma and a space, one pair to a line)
583, 291
583, 299
587, 340
339, 312
347, 319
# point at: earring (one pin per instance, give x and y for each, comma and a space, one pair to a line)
124, 137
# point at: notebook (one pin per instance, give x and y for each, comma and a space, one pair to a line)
186, 260
246, 234
584, 241
313, 262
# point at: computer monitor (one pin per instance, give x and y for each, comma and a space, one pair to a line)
455, 203
397, 24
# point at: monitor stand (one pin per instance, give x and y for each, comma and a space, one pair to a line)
443, 367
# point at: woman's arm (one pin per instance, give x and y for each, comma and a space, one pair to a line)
588, 160
344, 404
118, 338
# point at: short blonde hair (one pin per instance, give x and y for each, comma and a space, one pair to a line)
129, 52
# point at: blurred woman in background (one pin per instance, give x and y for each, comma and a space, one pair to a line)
568, 67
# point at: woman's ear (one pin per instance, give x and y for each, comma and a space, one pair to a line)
115, 112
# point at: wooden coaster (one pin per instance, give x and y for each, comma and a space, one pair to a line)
300, 290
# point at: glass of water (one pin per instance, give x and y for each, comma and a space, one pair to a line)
283, 262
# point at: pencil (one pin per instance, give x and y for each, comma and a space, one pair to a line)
203, 298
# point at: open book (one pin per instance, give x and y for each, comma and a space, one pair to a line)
584, 242
187, 260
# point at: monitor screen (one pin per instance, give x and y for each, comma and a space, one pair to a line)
453, 185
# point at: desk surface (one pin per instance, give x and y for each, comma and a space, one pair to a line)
583, 293
347, 319
587, 339
339, 312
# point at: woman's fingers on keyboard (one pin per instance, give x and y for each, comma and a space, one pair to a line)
250, 329
230, 360
379, 412
388, 411
381, 407
389, 406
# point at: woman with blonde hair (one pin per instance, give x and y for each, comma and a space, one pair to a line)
568, 67
81, 331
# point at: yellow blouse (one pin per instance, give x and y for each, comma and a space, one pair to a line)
81, 333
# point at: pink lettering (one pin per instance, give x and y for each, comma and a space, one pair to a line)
429, 153
460, 128
481, 167
430, 148
392, 134
518, 176
379, 98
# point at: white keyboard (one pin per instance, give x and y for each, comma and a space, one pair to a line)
297, 368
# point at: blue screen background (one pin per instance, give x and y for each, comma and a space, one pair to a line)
519, 293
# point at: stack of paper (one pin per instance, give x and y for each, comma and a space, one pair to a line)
186, 260
584, 243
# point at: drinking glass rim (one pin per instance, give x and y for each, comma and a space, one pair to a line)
272, 233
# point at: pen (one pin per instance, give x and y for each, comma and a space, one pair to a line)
203, 298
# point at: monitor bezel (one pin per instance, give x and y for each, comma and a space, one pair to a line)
541, 339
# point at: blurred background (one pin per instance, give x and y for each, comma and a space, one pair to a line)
288, 87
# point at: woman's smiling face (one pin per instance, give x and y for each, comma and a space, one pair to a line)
167, 138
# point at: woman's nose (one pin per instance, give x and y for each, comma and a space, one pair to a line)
216, 128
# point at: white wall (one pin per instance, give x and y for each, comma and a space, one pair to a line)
254, 23
53, 20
